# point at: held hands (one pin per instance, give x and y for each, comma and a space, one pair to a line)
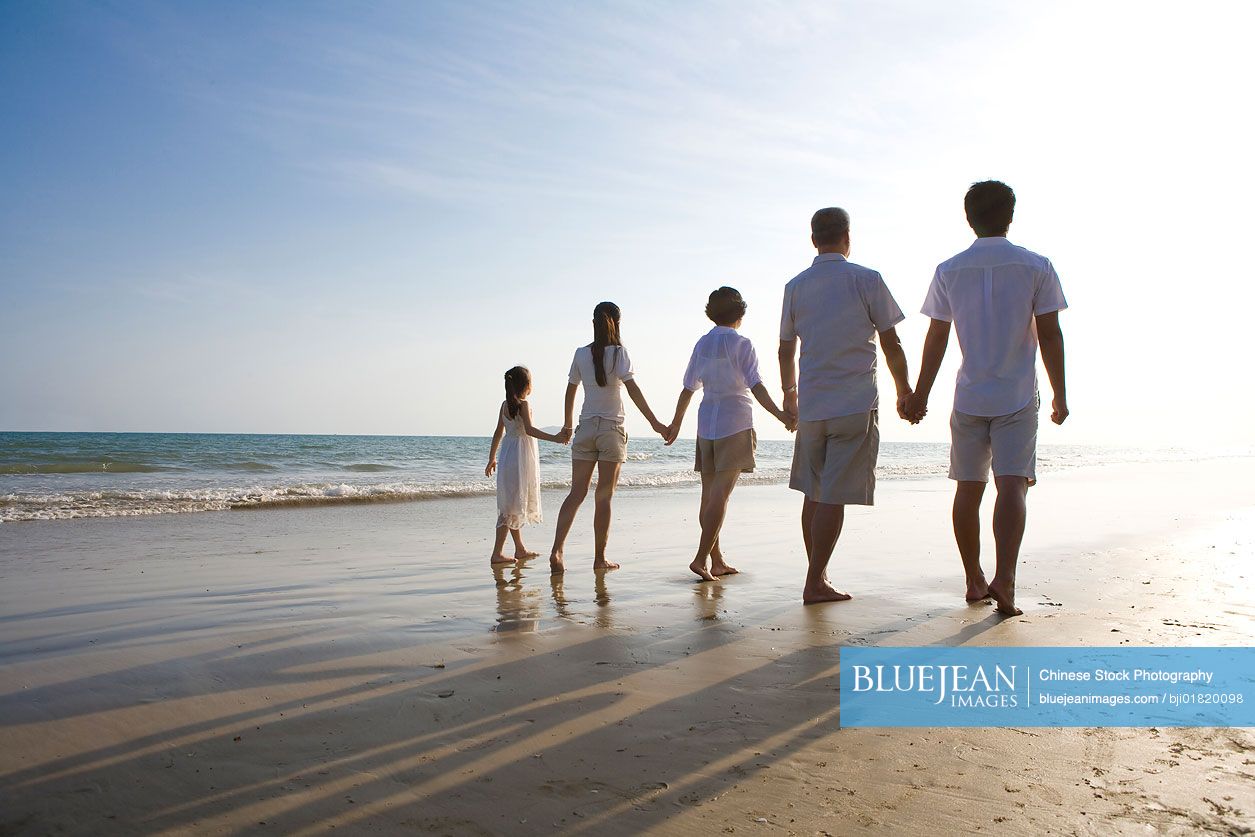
564, 436
1059, 410
662, 430
673, 429
492, 466
912, 406
789, 420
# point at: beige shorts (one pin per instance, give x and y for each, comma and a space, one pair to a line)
834, 460
1007, 443
600, 440
731, 453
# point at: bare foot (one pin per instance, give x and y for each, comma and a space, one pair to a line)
501, 559
977, 590
718, 567
524, 554
603, 564
700, 569
1005, 597
823, 593
556, 566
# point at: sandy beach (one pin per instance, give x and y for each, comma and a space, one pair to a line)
363, 669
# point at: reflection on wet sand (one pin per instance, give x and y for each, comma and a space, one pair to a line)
707, 598
518, 609
560, 605
520, 604
601, 595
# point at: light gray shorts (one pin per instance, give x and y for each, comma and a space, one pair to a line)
600, 440
1007, 443
731, 453
834, 460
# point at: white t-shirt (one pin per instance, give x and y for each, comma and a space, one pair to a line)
725, 365
991, 292
599, 401
836, 308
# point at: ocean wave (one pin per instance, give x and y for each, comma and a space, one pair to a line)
81, 466
81, 504
64, 505
248, 466
84, 504
57, 497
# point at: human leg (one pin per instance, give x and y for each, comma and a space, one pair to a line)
581, 476
498, 557
716, 490
965, 516
521, 552
607, 480
827, 519
1010, 512
1013, 440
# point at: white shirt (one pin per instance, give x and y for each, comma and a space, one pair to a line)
836, 307
991, 292
607, 401
725, 365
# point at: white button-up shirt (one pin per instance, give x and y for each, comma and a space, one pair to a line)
991, 292
725, 365
836, 308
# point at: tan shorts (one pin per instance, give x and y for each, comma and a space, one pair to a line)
1008, 443
731, 453
834, 460
600, 440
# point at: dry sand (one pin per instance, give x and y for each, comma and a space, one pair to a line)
362, 670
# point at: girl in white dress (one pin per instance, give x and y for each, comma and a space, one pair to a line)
518, 473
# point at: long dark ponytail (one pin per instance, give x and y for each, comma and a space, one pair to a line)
517, 380
605, 333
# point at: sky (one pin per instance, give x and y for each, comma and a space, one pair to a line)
354, 217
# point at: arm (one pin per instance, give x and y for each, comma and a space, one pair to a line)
788, 375
638, 398
681, 407
496, 443
895, 359
764, 398
568, 423
1050, 336
929, 366
526, 413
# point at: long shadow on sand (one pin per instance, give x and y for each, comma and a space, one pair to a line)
572, 735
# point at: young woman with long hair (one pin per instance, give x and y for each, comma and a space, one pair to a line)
600, 443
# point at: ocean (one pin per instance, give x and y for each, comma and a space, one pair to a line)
54, 476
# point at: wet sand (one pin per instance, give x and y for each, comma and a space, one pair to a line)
363, 669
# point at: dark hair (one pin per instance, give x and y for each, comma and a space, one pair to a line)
605, 333
989, 206
829, 226
725, 306
517, 380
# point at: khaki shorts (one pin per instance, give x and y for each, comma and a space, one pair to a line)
834, 460
731, 453
1008, 443
600, 440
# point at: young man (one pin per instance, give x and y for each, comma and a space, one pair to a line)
1003, 301
836, 308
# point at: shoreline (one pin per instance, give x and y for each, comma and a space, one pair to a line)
420, 470
364, 668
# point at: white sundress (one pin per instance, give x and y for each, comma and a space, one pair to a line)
518, 476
